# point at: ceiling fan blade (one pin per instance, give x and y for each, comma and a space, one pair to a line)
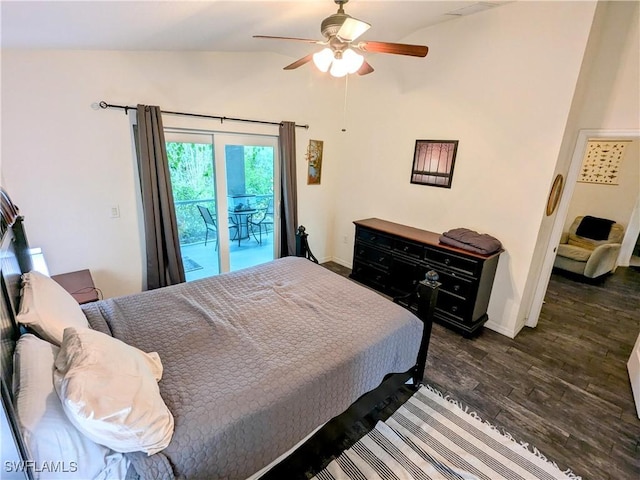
365, 68
395, 48
306, 40
351, 29
300, 62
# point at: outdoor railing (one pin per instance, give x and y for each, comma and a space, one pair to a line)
191, 226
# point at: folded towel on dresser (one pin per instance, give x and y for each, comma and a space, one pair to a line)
470, 240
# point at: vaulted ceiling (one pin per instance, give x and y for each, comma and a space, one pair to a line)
222, 26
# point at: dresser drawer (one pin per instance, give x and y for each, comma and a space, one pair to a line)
405, 275
450, 260
455, 284
452, 305
371, 236
369, 275
377, 257
410, 249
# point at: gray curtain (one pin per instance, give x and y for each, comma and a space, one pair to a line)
164, 262
289, 203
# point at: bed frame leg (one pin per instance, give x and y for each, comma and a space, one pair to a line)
426, 294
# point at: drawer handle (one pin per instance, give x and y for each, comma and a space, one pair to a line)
378, 278
456, 288
454, 308
373, 237
361, 252
381, 259
406, 248
447, 261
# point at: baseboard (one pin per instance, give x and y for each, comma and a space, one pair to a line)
340, 261
500, 329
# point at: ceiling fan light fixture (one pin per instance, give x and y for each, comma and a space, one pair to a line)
338, 64
353, 60
339, 68
323, 59
349, 62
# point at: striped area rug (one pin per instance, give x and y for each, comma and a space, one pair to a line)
431, 437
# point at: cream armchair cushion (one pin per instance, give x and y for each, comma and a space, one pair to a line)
574, 252
586, 256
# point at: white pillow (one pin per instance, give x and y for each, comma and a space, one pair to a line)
48, 308
58, 449
109, 391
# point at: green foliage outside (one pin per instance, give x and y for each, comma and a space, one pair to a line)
193, 178
258, 171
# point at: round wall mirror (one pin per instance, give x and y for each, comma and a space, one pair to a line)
554, 196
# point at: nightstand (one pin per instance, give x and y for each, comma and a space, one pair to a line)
79, 284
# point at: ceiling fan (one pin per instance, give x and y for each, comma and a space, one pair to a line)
339, 56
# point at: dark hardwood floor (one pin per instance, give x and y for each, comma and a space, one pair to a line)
562, 387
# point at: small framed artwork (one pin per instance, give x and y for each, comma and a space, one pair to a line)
433, 162
601, 162
314, 157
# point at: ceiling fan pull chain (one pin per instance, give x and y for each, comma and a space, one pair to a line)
344, 109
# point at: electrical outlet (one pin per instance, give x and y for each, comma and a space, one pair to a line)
114, 211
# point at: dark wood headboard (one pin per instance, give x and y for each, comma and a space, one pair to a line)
14, 260
11, 272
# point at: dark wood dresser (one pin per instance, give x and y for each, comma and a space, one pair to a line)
393, 258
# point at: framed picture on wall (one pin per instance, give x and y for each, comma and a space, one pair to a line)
433, 162
314, 157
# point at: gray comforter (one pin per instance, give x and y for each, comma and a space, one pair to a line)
255, 359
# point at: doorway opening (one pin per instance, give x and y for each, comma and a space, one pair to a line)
557, 227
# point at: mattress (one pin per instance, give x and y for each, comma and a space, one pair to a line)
256, 359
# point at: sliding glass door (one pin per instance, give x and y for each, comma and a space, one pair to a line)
225, 189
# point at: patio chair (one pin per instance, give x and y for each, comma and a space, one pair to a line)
262, 220
210, 223
235, 225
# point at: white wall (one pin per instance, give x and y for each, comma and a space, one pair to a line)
501, 82
65, 163
611, 101
607, 98
615, 202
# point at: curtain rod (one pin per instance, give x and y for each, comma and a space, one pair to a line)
126, 109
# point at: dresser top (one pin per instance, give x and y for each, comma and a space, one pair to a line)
415, 234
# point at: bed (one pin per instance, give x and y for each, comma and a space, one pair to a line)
252, 361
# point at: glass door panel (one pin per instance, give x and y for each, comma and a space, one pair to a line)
250, 165
193, 172
223, 189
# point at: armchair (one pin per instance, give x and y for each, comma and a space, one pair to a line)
590, 247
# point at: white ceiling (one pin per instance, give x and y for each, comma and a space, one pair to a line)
222, 26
